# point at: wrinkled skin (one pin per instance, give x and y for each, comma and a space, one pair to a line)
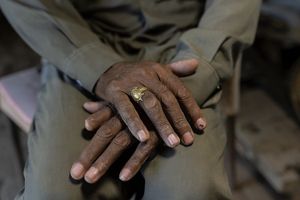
110, 141
117, 132
165, 92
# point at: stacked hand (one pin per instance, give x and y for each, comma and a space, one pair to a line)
162, 98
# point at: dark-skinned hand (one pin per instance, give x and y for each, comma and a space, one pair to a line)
112, 139
107, 145
165, 92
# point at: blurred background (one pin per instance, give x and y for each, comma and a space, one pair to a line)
263, 157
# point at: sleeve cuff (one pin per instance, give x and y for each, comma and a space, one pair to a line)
202, 45
87, 63
203, 83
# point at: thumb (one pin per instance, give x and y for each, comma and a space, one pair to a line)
184, 67
93, 106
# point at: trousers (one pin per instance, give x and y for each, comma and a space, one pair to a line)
195, 172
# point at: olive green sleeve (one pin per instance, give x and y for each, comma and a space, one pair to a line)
57, 32
225, 28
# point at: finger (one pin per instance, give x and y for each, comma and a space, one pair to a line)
130, 117
154, 111
94, 106
183, 95
172, 108
120, 143
139, 157
96, 119
96, 146
184, 67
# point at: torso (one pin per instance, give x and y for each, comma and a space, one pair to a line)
141, 28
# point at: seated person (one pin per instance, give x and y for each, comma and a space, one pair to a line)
148, 74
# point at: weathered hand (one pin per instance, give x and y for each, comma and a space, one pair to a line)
102, 150
108, 144
165, 93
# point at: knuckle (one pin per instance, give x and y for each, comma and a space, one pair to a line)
127, 109
105, 132
143, 72
114, 85
180, 123
151, 102
122, 103
135, 161
165, 128
106, 112
127, 114
142, 153
103, 164
145, 153
122, 140
183, 93
132, 122
162, 89
115, 121
168, 99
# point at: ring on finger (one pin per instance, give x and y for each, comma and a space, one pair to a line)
137, 93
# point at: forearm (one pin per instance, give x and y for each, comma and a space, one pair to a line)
56, 31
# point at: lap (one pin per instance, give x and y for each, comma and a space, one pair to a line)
194, 172
56, 142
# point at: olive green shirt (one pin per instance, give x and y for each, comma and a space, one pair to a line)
85, 37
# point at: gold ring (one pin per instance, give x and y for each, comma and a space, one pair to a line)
137, 93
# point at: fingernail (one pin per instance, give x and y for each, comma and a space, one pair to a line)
91, 174
87, 125
173, 140
86, 105
92, 106
188, 138
142, 135
124, 175
201, 123
77, 171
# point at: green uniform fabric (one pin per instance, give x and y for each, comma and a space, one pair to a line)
83, 38
195, 172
